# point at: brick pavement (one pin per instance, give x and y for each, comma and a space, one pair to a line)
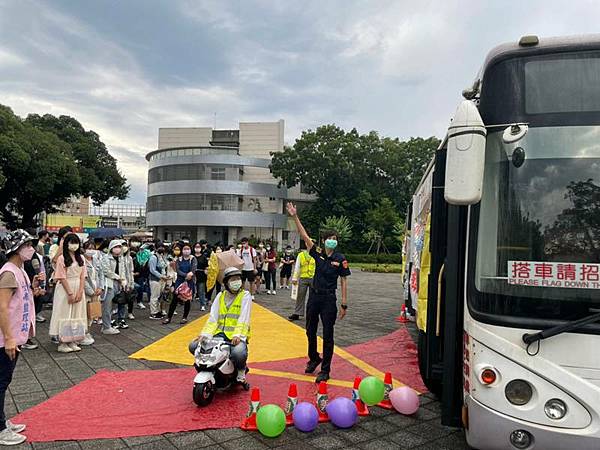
373, 300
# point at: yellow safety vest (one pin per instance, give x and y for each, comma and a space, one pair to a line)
228, 319
307, 265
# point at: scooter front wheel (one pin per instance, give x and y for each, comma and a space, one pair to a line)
203, 393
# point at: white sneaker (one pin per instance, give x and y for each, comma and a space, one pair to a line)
16, 427
40, 319
73, 346
253, 298
274, 292
130, 316
64, 348
114, 311
9, 437
110, 330
241, 376
141, 306
203, 308
87, 340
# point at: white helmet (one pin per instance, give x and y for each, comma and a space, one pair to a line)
231, 272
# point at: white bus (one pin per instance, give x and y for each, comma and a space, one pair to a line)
505, 239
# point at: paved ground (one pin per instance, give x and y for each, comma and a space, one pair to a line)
373, 299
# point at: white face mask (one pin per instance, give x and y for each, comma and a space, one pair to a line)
90, 253
235, 285
116, 251
73, 247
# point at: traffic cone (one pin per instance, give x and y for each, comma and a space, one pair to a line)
249, 422
322, 402
402, 318
387, 382
360, 405
290, 404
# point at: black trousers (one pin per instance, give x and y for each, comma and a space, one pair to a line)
7, 367
324, 307
173, 306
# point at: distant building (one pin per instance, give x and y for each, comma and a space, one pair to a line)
129, 216
75, 206
217, 185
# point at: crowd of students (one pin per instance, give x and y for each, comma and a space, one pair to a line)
114, 275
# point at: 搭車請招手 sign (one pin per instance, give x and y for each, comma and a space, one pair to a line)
554, 274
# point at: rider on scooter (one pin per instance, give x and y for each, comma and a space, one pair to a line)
230, 319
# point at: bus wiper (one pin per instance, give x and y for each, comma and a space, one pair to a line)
530, 338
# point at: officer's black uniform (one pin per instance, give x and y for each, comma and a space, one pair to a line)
322, 302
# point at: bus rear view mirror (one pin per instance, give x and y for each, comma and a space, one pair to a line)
465, 156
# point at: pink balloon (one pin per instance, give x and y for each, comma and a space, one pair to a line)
404, 400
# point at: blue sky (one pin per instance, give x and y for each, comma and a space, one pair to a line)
126, 68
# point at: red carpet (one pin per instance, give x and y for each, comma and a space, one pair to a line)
152, 402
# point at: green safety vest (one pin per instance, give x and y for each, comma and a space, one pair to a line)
228, 319
307, 265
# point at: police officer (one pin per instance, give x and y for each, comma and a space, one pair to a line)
329, 265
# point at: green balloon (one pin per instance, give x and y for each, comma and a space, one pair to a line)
371, 390
270, 420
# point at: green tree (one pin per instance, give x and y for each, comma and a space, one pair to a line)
349, 173
341, 225
382, 219
42, 168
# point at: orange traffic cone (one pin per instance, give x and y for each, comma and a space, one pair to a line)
322, 402
249, 422
292, 401
402, 318
360, 405
387, 381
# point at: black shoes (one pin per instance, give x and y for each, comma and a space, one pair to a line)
323, 376
293, 317
312, 365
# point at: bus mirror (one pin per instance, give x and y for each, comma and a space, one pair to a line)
465, 156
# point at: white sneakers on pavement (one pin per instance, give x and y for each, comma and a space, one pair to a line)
73, 346
87, 340
16, 427
130, 316
111, 330
141, 306
64, 348
10, 437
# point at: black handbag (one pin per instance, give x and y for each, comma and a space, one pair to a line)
122, 298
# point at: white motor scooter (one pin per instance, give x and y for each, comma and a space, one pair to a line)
215, 370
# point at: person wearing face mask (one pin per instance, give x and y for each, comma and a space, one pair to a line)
287, 263
115, 275
271, 273
201, 272
157, 266
94, 282
322, 303
17, 320
185, 266
261, 256
248, 254
230, 319
124, 309
69, 299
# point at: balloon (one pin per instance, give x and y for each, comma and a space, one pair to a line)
306, 417
371, 390
270, 420
342, 412
404, 400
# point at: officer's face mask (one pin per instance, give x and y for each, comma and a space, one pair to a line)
235, 285
331, 244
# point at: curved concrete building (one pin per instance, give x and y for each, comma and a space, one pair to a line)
216, 185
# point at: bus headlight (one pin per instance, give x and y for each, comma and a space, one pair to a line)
555, 409
521, 439
518, 392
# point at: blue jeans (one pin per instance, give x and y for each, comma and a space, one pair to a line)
201, 291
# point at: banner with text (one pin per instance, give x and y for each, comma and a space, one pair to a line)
554, 274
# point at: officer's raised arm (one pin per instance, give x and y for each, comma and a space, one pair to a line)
291, 209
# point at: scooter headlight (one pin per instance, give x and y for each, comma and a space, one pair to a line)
555, 409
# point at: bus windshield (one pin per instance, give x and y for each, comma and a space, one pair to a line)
535, 236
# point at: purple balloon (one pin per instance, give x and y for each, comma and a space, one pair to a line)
342, 412
306, 417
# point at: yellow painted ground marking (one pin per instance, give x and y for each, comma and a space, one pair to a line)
273, 339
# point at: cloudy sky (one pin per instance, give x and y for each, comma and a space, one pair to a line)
126, 68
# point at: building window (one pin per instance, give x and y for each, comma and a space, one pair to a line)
217, 173
285, 235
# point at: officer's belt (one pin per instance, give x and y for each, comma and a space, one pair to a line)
323, 291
